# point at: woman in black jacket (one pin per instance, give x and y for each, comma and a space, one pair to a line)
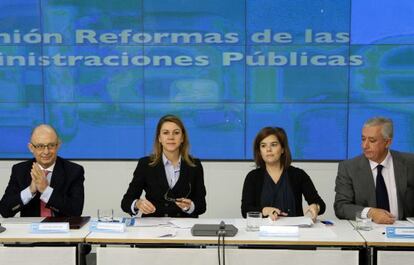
173, 181
275, 188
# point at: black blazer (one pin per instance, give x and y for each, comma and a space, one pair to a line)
153, 180
299, 182
68, 192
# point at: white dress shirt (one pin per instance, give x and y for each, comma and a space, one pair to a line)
389, 179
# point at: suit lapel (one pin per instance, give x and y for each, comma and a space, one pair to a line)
183, 182
400, 174
161, 176
58, 175
365, 173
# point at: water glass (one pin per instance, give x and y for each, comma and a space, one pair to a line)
254, 220
105, 215
363, 224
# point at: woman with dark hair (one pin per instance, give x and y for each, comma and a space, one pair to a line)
275, 188
173, 181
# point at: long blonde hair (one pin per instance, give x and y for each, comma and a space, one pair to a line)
156, 155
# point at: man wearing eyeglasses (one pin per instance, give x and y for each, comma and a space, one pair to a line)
46, 185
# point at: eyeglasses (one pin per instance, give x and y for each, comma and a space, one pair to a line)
167, 197
49, 146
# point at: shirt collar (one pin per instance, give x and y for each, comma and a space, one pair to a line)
50, 169
166, 162
386, 162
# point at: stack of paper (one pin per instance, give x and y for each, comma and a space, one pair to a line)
280, 231
300, 221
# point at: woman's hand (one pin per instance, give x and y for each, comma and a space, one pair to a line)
313, 209
183, 203
145, 206
273, 213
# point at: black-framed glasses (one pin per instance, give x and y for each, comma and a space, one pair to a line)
167, 196
44, 146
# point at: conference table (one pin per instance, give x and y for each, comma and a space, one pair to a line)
383, 250
171, 242
20, 246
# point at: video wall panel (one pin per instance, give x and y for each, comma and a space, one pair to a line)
104, 72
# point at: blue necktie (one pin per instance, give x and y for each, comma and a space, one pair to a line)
381, 191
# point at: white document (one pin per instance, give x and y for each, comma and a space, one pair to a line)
21, 220
152, 221
410, 219
279, 231
300, 221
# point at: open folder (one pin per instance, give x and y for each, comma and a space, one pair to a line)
75, 222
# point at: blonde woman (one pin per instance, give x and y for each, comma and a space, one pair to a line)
173, 181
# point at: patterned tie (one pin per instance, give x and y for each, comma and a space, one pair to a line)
381, 191
45, 212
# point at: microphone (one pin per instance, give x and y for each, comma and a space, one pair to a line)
2, 229
222, 229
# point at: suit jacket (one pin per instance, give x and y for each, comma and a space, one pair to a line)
299, 182
67, 197
153, 180
355, 187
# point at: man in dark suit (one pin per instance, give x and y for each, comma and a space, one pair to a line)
46, 185
379, 183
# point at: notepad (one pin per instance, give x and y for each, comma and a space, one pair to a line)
75, 222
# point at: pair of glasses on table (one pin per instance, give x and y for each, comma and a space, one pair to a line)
168, 197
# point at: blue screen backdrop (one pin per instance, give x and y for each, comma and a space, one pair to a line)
104, 72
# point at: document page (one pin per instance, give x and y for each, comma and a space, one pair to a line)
301, 221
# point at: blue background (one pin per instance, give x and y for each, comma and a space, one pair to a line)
110, 112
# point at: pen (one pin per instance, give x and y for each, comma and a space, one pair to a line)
327, 222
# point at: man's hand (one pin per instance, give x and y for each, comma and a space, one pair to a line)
381, 216
39, 178
32, 187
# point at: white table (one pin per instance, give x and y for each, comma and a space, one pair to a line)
245, 248
388, 251
20, 246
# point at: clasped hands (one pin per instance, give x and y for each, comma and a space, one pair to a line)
146, 207
39, 181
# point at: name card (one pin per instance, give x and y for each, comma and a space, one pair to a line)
279, 231
58, 227
400, 232
114, 227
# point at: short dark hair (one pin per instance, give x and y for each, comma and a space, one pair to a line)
285, 158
